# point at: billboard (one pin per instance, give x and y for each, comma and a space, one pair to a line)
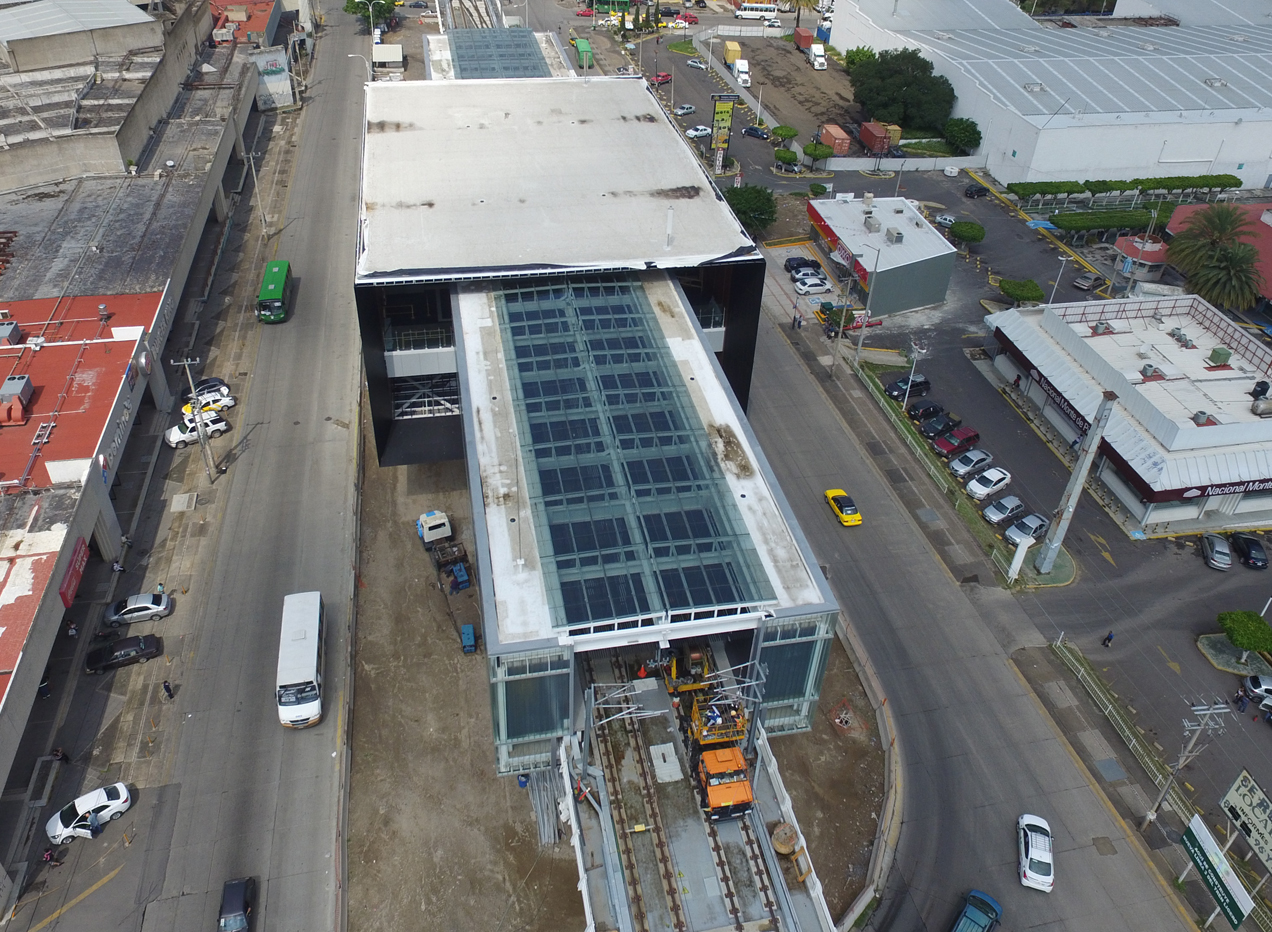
1216, 873
1248, 806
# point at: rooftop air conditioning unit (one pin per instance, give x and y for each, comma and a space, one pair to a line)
867, 200
898, 210
1035, 87
17, 387
1219, 356
10, 332
895, 235
873, 225
1148, 370
1260, 389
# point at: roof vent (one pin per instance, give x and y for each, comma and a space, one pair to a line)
1260, 390
1238, 38
895, 235
1145, 351
10, 332
867, 200
17, 387
1030, 48
1148, 46
1148, 370
1101, 326
1035, 87
1200, 418
1216, 82
35, 343
1219, 356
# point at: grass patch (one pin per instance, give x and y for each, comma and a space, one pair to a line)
866, 914
684, 48
929, 147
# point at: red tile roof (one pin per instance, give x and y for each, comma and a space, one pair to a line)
1261, 233
1143, 247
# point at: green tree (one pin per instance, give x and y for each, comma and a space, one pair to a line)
816, 190
801, 6
899, 87
754, 206
382, 10
962, 133
1021, 291
854, 57
964, 231
784, 133
786, 156
1205, 233
1247, 631
817, 151
1231, 278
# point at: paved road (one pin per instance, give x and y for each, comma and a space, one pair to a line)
249, 797
977, 749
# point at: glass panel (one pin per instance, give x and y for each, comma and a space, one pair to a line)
536, 706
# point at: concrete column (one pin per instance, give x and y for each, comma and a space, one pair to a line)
220, 209
107, 531
158, 384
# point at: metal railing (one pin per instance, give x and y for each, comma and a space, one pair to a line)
903, 429
397, 339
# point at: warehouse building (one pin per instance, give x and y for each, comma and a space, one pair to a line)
1108, 99
584, 341
1189, 445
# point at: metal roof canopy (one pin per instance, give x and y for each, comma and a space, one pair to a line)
603, 180
55, 17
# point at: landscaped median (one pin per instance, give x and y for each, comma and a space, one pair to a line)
874, 377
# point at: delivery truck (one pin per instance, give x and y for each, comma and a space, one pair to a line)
816, 55
742, 71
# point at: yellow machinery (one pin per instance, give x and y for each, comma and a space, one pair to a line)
687, 668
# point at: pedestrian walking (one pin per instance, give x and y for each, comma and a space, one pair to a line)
72, 629
59, 754
1243, 703
1073, 444
125, 541
116, 567
795, 321
1016, 382
167, 689
799, 321
1108, 639
160, 588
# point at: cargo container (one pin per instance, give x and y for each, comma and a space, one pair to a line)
803, 38
832, 135
732, 52
874, 138
894, 133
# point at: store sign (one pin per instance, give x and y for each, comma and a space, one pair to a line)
1060, 401
1216, 873
1249, 807
74, 572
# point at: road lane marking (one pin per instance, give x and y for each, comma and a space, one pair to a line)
1174, 666
1103, 546
93, 889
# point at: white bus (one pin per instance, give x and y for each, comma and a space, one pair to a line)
300, 660
755, 10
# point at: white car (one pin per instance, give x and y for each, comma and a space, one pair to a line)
75, 818
679, 24
183, 434
1033, 840
773, 24
684, 110
946, 220
208, 403
697, 132
991, 481
812, 286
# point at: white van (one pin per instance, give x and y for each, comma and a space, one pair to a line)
300, 660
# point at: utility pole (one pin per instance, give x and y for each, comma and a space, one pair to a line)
870, 290
196, 413
1073, 491
917, 352
1211, 722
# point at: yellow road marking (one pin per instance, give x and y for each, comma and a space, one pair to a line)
1103, 546
1170, 663
93, 889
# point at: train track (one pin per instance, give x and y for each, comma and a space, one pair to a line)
465, 14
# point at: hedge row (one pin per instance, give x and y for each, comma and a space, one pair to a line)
1103, 220
1031, 188
1172, 183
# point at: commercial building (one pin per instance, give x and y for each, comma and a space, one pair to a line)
1187, 448
893, 255
1130, 96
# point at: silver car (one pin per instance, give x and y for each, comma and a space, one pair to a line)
145, 607
1030, 527
1216, 552
1006, 510
970, 463
990, 482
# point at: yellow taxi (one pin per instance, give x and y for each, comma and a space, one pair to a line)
845, 508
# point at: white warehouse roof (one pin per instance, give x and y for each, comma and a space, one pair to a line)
57, 17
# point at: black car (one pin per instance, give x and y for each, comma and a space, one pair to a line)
758, 132
700, 4
1249, 550
975, 190
922, 411
123, 653
668, 11
207, 386
896, 152
800, 262
941, 424
237, 899
916, 386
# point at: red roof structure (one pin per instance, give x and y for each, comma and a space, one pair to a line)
1260, 215
250, 22
1144, 247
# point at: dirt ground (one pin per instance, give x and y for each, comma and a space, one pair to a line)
794, 94
792, 217
835, 777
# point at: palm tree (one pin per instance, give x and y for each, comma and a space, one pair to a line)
801, 6
1206, 232
1230, 279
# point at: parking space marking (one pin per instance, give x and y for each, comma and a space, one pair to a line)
93, 889
1103, 546
1170, 663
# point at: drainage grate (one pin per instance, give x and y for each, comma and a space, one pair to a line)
876, 448
897, 476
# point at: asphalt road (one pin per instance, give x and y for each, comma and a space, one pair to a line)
249, 797
977, 750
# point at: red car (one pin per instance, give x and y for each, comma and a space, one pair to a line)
661, 78
586, 11
690, 18
957, 441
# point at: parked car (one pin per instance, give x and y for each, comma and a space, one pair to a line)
990, 482
237, 899
697, 132
773, 24
970, 463
941, 424
980, 913
1030, 527
684, 110
183, 434
679, 23
149, 606
959, 440
759, 132
700, 4
1216, 552
583, 12
946, 220
1033, 843
418, 5
210, 385
661, 78
975, 190
916, 386
920, 411
1249, 550
812, 286
1258, 688
208, 403
845, 508
814, 271
697, 63
73, 820
123, 653
1088, 280
668, 11
690, 18
896, 152
1003, 511
800, 262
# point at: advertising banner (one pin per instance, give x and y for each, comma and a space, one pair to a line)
74, 572
1216, 873
1249, 807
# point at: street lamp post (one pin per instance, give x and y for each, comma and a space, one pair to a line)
917, 352
365, 62
869, 297
1063, 260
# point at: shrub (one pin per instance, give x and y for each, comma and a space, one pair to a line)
816, 190
1027, 189
1103, 220
786, 156
962, 133
967, 232
854, 57
1247, 631
817, 151
1019, 291
784, 133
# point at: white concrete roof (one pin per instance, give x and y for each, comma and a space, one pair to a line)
1198, 12
1068, 76
905, 15
847, 218
1152, 426
566, 173
55, 17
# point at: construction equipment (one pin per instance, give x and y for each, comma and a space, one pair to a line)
714, 728
687, 667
